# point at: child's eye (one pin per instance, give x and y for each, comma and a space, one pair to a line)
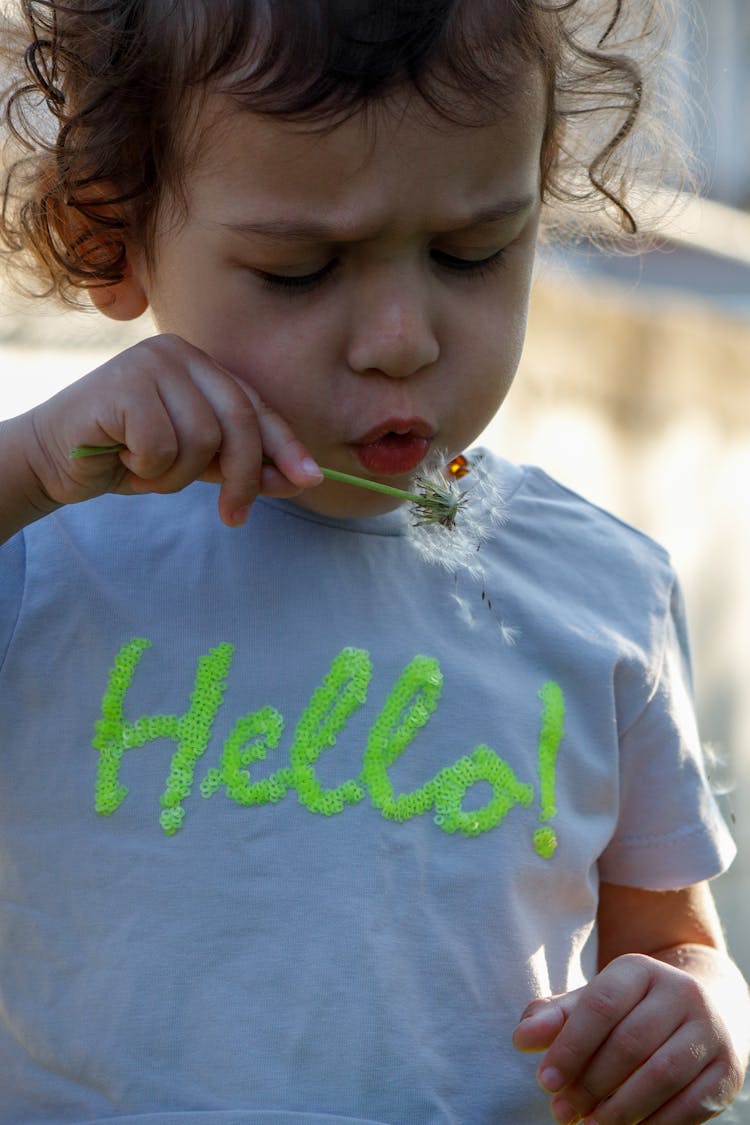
471, 266
297, 283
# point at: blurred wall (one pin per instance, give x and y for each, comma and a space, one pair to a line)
714, 43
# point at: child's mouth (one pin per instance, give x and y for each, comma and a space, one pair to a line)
393, 451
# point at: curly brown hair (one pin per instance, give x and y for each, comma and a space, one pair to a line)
100, 115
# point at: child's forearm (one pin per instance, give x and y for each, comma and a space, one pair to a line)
22, 498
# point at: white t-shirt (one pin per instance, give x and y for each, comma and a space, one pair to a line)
293, 824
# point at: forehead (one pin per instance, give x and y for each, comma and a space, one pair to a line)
399, 158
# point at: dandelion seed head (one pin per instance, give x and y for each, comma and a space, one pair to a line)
441, 499
478, 508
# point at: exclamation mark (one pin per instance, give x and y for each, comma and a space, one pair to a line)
550, 737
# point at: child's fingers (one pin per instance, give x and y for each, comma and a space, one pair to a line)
598, 1008
152, 435
81, 415
668, 1071
541, 1022
712, 1092
287, 455
187, 418
218, 436
644, 1034
250, 432
144, 399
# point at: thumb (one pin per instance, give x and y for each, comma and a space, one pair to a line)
543, 1020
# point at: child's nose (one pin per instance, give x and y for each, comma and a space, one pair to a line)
392, 332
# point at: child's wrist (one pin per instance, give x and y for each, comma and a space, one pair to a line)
23, 496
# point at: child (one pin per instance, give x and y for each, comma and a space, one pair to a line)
289, 830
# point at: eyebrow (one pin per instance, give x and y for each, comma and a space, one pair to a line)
293, 230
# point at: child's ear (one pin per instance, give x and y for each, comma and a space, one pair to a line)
121, 300
78, 227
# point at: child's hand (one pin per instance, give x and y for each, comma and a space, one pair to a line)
182, 418
641, 1044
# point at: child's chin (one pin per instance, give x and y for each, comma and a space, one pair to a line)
333, 500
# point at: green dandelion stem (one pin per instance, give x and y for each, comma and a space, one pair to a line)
94, 450
373, 485
329, 474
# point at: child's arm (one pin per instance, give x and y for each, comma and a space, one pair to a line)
182, 418
661, 1035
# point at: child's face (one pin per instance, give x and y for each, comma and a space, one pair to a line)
370, 283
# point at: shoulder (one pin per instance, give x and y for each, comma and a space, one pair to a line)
561, 529
573, 562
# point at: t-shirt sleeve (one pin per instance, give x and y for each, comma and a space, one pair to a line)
670, 831
12, 575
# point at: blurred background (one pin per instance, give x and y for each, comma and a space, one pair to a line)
634, 390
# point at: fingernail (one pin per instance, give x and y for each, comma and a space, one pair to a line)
551, 1080
239, 516
311, 468
565, 1113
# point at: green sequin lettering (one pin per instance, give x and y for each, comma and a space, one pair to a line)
412, 700
191, 731
251, 738
111, 732
342, 692
550, 737
409, 706
451, 785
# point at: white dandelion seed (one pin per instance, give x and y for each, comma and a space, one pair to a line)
718, 770
729, 1110
511, 634
464, 609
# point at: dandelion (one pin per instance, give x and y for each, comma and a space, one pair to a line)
435, 500
481, 507
456, 545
